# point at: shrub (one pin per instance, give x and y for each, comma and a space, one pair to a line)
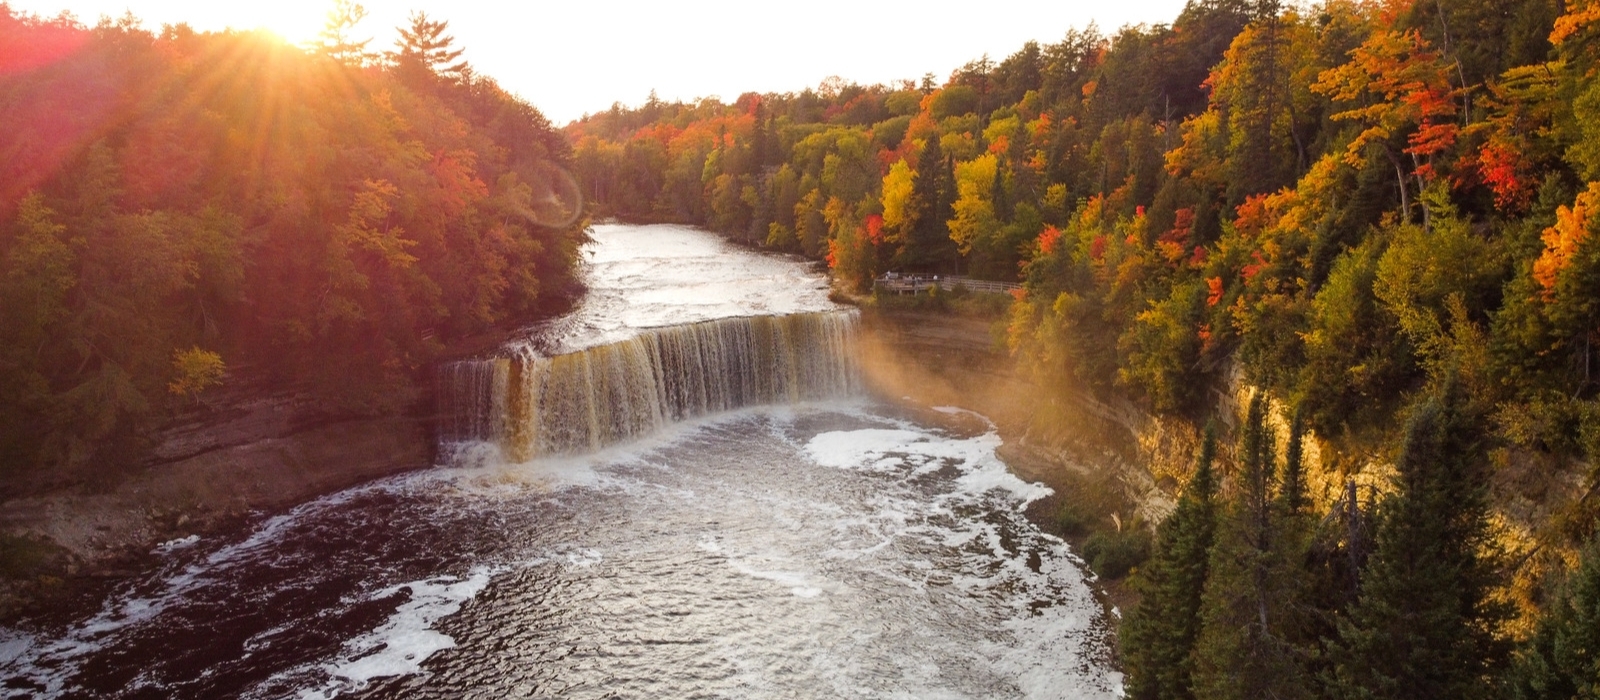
1113, 554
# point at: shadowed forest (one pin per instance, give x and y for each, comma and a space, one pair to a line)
1382, 214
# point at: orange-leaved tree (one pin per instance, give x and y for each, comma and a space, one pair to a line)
1398, 91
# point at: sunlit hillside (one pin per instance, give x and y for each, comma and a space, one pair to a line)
1381, 214
181, 206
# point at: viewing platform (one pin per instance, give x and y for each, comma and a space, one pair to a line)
916, 284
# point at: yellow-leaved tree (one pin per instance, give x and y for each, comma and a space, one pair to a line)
195, 370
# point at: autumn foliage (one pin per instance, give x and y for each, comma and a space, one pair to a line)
1381, 213
180, 209
1574, 229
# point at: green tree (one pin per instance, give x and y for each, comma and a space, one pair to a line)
1574, 36
1562, 659
37, 273
1246, 647
1424, 624
1292, 499
932, 191
1161, 347
1158, 636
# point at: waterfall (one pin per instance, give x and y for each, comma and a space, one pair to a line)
534, 405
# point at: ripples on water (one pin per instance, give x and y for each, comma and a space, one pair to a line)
663, 275
827, 550
824, 551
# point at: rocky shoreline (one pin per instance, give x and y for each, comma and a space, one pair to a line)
245, 454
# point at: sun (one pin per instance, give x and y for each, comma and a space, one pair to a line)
297, 21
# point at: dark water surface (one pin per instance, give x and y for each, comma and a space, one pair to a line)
820, 551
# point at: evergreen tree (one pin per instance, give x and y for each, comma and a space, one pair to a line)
1158, 636
425, 44
1423, 625
335, 40
1002, 199
1245, 648
763, 152
933, 192
1292, 493
1562, 660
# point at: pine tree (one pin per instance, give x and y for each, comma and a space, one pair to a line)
1249, 611
1562, 660
425, 44
1002, 199
1158, 636
1292, 493
335, 40
1423, 625
763, 152
933, 191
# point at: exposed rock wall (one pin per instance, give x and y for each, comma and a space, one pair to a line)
247, 451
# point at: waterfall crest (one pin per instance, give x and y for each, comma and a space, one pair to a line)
532, 405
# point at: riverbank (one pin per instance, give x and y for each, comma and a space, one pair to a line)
1101, 461
246, 453
251, 450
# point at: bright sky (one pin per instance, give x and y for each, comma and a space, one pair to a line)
579, 56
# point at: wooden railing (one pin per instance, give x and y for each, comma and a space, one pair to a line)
916, 284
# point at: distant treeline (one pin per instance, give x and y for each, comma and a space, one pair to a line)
1385, 213
175, 205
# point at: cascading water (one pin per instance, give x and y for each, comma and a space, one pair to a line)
531, 405
752, 526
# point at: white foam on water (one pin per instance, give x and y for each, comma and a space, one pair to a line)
799, 583
482, 468
1053, 642
12, 645
866, 448
931, 534
580, 557
1053, 657
487, 472
878, 449
400, 645
171, 546
51, 665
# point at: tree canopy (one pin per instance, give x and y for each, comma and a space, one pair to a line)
178, 207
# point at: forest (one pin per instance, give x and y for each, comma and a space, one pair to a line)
1383, 214
181, 209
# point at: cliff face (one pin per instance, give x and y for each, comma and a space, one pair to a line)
247, 451
1068, 440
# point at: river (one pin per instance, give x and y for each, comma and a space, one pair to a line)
679, 490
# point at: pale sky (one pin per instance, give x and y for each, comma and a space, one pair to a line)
572, 58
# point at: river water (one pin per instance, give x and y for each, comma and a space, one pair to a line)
790, 539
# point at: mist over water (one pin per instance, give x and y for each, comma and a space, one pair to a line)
820, 547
